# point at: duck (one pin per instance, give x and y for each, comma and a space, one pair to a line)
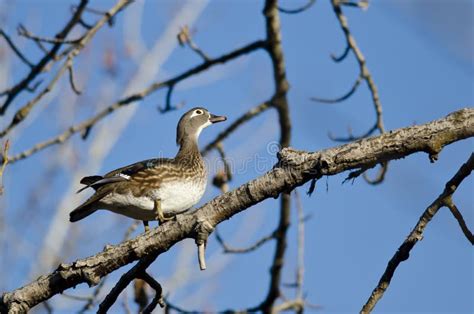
155, 189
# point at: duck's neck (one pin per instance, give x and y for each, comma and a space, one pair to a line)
188, 150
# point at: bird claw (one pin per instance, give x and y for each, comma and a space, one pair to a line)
159, 213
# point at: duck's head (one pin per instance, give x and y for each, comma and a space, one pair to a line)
193, 122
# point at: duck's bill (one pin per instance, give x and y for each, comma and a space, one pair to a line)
216, 119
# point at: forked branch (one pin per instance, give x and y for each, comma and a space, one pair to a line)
403, 252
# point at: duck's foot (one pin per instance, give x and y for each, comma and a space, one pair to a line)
145, 224
159, 213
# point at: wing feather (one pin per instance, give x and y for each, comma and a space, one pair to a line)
122, 174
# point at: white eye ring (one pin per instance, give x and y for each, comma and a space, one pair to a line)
199, 111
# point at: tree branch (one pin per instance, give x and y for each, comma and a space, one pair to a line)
253, 247
15, 49
293, 169
462, 224
280, 103
403, 252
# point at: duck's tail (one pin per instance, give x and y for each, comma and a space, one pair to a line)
82, 211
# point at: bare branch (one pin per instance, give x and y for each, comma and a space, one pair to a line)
15, 49
363, 4
364, 70
185, 39
380, 175
352, 137
71, 78
33, 88
342, 56
252, 113
299, 297
462, 223
343, 97
416, 234
135, 272
22, 31
299, 10
158, 299
222, 177
6, 147
168, 106
253, 247
93, 298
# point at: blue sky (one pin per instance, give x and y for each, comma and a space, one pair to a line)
423, 72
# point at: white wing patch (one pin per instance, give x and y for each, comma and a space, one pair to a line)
126, 177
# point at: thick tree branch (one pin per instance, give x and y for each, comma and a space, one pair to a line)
416, 234
293, 169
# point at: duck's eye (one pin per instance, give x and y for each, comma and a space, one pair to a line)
199, 111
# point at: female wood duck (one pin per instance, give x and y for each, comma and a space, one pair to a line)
155, 189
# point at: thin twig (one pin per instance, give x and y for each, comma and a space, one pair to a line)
22, 31
300, 244
363, 4
71, 78
462, 223
222, 177
298, 10
342, 56
5, 159
255, 111
92, 300
351, 137
158, 299
185, 39
416, 234
15, 49
253, 247
343, 97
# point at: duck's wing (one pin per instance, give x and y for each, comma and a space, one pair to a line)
121, 174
